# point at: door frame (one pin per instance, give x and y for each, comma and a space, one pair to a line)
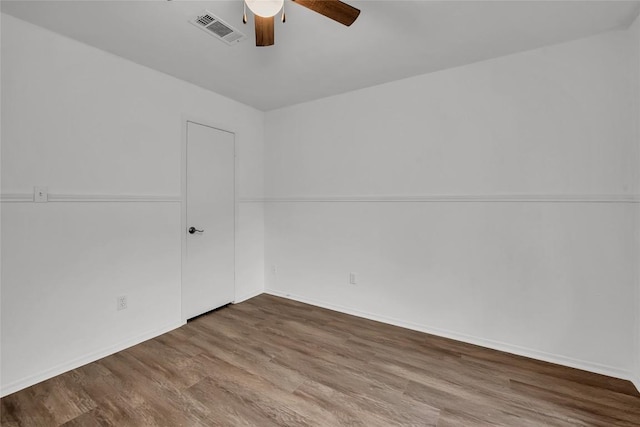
183, 197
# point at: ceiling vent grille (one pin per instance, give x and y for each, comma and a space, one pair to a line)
217, 28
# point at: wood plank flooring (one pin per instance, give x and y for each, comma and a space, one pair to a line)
274, 362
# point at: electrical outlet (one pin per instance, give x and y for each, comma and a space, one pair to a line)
121, 302
352, 278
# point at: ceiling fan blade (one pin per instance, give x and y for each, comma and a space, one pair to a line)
333, 9
264, 31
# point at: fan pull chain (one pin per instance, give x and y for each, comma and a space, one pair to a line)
244, 13
284, 17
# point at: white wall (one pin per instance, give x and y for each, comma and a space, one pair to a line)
534, 254
493, 203
635, 31
85, 122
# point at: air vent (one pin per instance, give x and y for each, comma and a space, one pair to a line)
216, 27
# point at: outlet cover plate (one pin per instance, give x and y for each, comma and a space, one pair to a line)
121, 302
40, 194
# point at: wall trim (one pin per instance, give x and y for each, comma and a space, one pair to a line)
16, 197
495, 345
248, 296
113, 198
499, 198
81, 361
59, 197
468, 198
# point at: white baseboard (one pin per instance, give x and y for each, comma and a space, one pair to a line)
76, 363
248, 296
495, 345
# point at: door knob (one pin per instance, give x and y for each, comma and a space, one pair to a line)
192, 230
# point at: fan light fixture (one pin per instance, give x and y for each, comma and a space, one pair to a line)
265, 8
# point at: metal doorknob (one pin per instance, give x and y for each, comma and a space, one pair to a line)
192, 230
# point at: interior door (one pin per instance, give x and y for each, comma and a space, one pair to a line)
208, 279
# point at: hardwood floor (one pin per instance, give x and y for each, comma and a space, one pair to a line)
274, 362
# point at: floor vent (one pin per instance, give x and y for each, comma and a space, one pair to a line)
217, 28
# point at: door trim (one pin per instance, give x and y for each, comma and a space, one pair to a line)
186, 119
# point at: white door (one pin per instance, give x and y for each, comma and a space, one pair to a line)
208, 279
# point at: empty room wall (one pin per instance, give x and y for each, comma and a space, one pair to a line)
635, 31
91, 125
493, 203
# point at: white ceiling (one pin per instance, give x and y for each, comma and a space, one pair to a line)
315, 57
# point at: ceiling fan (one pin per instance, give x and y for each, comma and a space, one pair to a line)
264, 12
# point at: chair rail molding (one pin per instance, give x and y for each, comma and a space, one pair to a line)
460, 198
81, 197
